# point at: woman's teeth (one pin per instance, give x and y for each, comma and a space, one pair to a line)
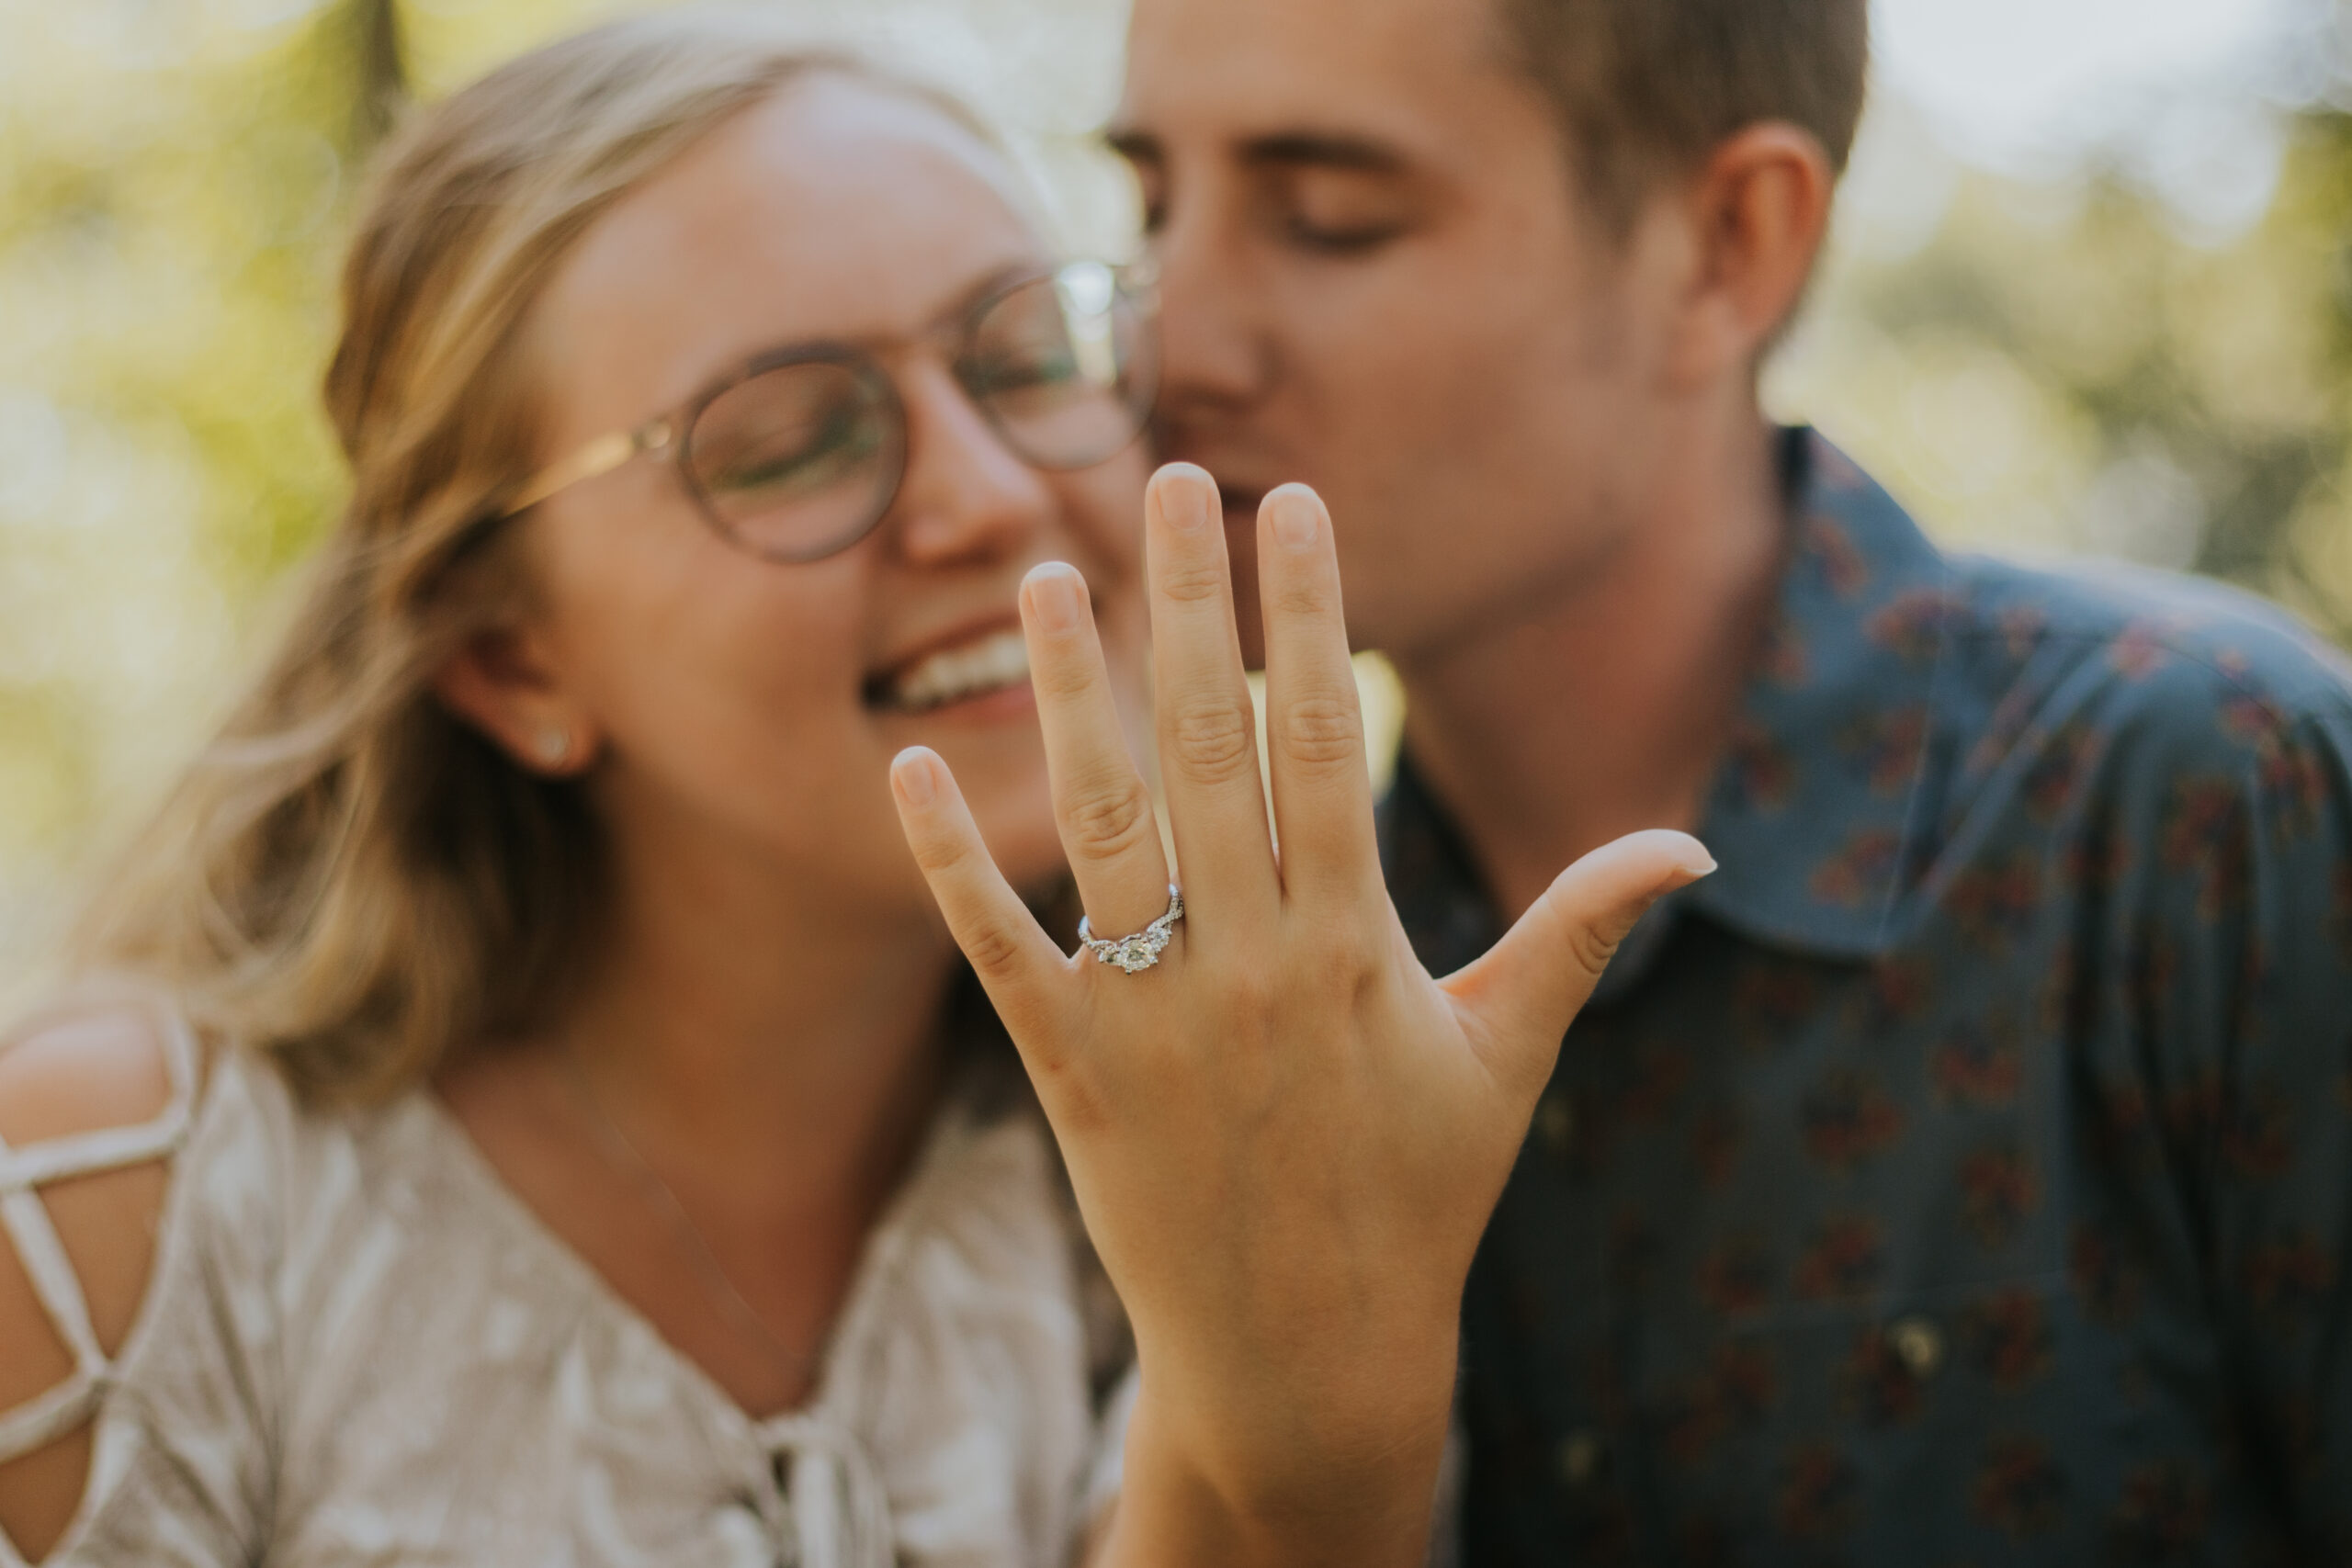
953, 675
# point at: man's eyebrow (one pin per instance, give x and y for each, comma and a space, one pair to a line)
1321, 149
1330, 149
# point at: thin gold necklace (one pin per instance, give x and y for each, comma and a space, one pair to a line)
626, 1161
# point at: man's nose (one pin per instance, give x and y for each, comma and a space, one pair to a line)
966, 494
1214, 350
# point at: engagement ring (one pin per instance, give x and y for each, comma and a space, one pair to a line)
1141, 951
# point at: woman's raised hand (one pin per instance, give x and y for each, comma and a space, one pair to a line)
1285, 1136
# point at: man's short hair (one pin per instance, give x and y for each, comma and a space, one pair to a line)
1648, 87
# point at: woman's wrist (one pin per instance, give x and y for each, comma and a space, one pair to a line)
1278, 1478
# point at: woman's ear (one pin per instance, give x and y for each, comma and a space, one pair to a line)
1758, 211
504, 684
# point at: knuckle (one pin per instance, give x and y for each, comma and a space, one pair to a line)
1589, 943
1302, 595
1213, 741
1062, 675
1072, 1094
938, 855
1249, 999
1107, 819
993, 951
1321, 731
1593, 947
1341, 953
1192, 582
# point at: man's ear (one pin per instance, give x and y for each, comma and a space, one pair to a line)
505, 683
1757, 211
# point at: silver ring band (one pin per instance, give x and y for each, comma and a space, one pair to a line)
1136, 953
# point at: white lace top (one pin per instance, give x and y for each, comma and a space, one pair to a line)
359, 1347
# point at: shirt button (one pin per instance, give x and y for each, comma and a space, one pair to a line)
1555, 1122
1581, 1457
1918, 1343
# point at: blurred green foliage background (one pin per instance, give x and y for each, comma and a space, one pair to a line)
2066, 357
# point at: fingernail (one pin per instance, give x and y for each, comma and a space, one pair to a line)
1184, 502
1701, 865
1055, 602
912, 773
1294, 518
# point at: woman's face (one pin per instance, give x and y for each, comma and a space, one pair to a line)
747, 710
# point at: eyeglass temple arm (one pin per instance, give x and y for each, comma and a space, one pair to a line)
600, 456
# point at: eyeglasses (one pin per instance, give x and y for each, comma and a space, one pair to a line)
798, 454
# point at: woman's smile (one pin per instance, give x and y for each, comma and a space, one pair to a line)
978, 674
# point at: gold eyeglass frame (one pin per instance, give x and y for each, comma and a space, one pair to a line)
666, 434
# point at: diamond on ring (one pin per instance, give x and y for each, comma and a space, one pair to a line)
1136, 953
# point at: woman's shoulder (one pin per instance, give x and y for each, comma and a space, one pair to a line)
115, 1081
95, 1100
171, 1215
129, 1152
99, 1063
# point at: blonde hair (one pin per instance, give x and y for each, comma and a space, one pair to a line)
349, 878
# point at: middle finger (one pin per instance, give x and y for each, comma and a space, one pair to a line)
1208, 746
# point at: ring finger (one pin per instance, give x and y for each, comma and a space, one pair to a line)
1101, 805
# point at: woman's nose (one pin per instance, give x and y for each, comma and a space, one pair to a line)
966, 494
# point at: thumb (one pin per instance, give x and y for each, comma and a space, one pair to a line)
1519, 998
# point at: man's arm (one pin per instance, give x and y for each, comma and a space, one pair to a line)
2280, 1155
2230, 951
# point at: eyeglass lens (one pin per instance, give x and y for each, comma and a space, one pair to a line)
803, 459
1057, 365
797, 458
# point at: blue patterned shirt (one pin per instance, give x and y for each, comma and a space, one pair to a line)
1963, 1173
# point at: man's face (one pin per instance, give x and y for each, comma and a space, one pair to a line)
1378, 278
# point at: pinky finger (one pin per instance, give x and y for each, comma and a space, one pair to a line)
1016, 960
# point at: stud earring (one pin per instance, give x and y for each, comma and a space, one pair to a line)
554, 747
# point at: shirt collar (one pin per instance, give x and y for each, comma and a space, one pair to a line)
1810, 816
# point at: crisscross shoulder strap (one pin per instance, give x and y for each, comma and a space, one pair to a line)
23, 1172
